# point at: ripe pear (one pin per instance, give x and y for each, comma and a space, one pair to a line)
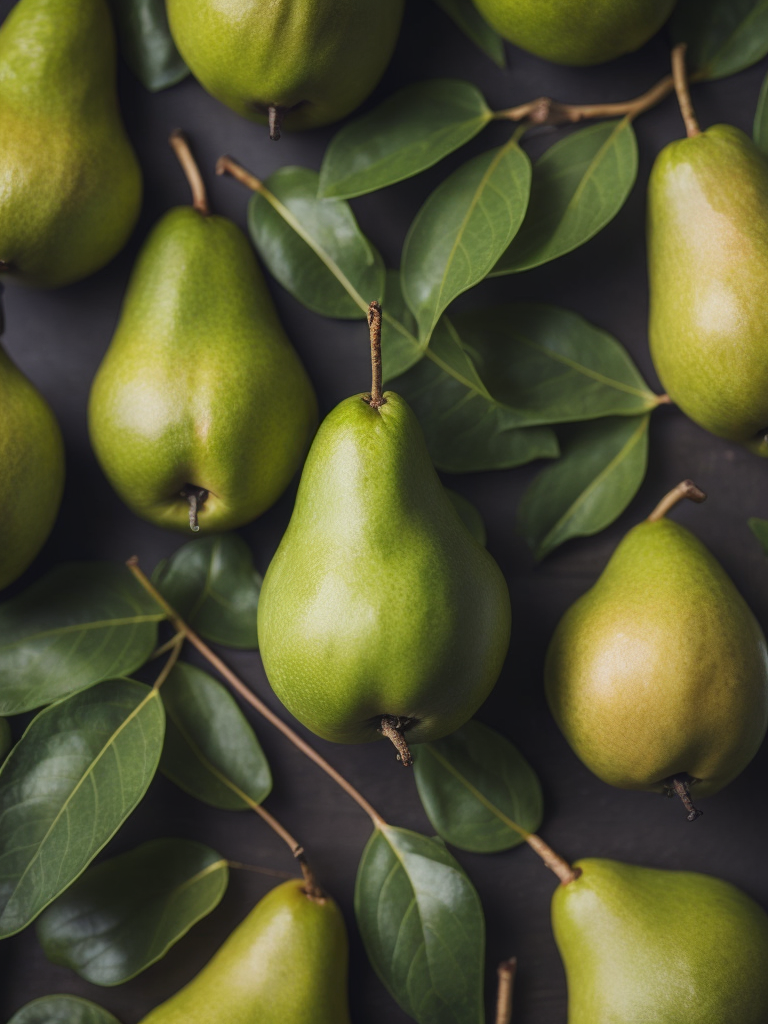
286, 963
380, 612
300, 65
70, 184
658, 675
577, 32
201, 411
662, 947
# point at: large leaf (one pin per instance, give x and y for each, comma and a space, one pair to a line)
213, 585
470, 516
125, 914
723, 36
67, 786
602, 467
760, 130
145, 40
404, 135
62, 1010
210, 749
479, 792
422, 925
476, 28
462, 229
309, 244
579, 185
760, 529
81, 623
400, 349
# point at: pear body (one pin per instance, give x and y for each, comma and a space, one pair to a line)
642, 946
660, 669
708, 267
378, 600
286, 962
577, 32
315, 60
70, 184
31, 470
200, 386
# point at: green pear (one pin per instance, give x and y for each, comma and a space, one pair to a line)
658, 675
577, 32
201, 411
642, 946
300, 65
285, 964
380, 612
70, 184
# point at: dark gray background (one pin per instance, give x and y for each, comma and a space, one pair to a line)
58, 339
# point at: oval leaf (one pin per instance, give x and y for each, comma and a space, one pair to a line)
422, 925
125, 914
579, 185
760, 130
81, 623
213, 585
67, 786
478, 791
469, 516
602, 467
760, 529
461, 231
474, 27
406, 134
723, 36
146, 43
211, 751
62, 1010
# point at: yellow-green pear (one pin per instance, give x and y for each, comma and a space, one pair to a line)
658, 675
285, 964
201, 411
70, 184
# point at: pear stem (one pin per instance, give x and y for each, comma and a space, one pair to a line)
180, 146
196, 498
680, 785
275, 117
376, 399
685, 489
239, 686
391, 727
312, 888
553, 860
680, 76
506, 974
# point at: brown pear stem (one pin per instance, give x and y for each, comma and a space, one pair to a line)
685, 489
506, 974
680, 76
681, 786
196, 497
553, 860
391, 727
312, 888
376, 399
180, 146
275, 117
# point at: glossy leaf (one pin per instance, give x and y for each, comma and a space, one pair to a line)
407, 133
5, 739
579, 185
314, 247
400, 347
62, 1010
146, 42
602, 467
723, 36
67, 786
422, 925
83, 622
760, 529
213, 585
760, 130
469, 515
461, 231
125, 914
210, 749
476, 28
478, 790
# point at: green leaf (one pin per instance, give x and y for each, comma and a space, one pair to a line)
463, 228
760, 130
210, 749
478, 790
409, 132
62, 1010
476, 28
125, 914
83, 622
314, 247
400, 349
213, 585
67, 786
760, 529
146, 43
469, 515
6, 741
723, 36
602, 467
579, 185
422, 925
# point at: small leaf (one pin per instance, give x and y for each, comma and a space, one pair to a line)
469, 515
210, 749
6, 741
478, 790
409, 132
146, 42
723, 36
400, 349
62, 1010
602, 467
760, 130
476, 28
83, 622
67, 786
422, 925
760, 529
213, 585
579, 185
314, 247
461, 231
125, 914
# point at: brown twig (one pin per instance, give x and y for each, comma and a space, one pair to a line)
506, 974
226, 165
376, 399
180, 146
680, 76
391, 727
686, 489
553, 860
